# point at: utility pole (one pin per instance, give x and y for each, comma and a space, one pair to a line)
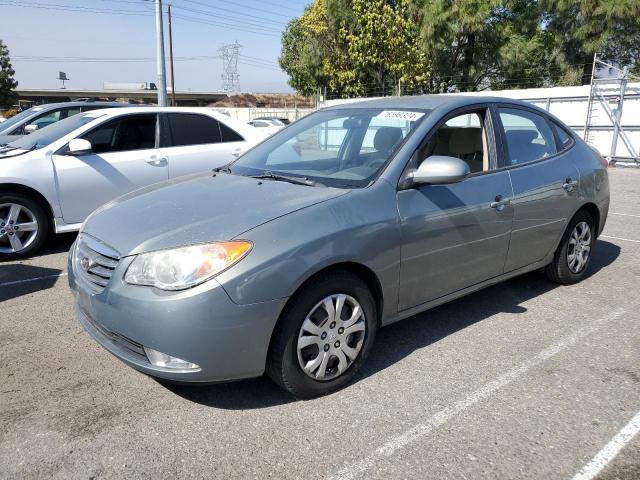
162, 75
173, 81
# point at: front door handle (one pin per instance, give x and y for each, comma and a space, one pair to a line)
569, 184
236, 152
500, 202
156, 162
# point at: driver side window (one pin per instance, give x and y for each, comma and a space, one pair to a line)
464, 137
124, 134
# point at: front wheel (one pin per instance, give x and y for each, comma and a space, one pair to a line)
23, 226
324, 336
574, 253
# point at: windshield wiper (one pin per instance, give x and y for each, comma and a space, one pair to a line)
284, 178
223, 169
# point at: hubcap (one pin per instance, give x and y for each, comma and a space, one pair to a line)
331, 337
18, 227
579, 247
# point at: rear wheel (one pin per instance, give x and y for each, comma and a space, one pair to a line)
323, 336
573, 256
24, 226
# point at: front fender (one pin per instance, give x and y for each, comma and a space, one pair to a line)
361, 228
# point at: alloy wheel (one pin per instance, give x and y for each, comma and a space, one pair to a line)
18, 227
579, 247
331, 337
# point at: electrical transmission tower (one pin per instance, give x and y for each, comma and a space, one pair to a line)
230, 76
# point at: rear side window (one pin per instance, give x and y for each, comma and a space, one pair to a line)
193, 129
229, 135
564, 139
529, 136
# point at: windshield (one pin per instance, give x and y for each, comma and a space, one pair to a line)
10, 123
51, 133
345, 147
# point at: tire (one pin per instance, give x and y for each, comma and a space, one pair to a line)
29, 215
563, 269
339, 342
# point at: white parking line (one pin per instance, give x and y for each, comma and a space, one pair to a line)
624, 214
620, 238
430, 424
610, 450
35, 279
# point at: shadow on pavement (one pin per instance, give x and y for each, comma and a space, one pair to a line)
18, 279
397, 341
57, 244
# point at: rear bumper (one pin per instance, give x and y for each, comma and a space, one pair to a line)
201, 325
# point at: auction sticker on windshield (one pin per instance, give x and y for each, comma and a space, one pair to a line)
400, 115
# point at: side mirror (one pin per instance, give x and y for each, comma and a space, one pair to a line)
79, 146
440, 170
32, 127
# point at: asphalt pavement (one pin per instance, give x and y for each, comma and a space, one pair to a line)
525, 379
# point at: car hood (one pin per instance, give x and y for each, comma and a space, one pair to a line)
197, 209
4, 139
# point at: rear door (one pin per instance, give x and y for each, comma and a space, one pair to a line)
194, 142
123, 159
545, 184
457, 235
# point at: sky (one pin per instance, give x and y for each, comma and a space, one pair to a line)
96, 41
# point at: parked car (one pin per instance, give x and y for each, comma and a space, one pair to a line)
38, 117
290, 264
55, 177
268, 127
278, 121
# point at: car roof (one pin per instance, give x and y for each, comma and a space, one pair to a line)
156, 109
427, 102
51, 106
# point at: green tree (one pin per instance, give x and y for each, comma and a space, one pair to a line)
354, 47
476, 44
309, 46
580, 29
7, 83
382, 47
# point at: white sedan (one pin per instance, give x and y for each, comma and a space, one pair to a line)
55, 177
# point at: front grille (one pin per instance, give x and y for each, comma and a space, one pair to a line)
94, 262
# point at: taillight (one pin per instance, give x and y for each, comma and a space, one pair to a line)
604, 161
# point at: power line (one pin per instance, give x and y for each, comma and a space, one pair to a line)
240, 19
218, 24
253, 24
75, 8
255, 9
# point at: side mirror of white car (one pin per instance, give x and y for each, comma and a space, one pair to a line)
32, 127
79, 146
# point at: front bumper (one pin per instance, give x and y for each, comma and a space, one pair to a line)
201, 325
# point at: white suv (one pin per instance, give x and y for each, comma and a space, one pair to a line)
55, 177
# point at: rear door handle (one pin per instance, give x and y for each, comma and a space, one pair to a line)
569, 184
156, 162
236, 152
500, 202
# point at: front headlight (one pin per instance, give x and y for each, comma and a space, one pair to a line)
181, 268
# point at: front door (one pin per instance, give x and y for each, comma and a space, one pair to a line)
545, 184
123, 159
454, 236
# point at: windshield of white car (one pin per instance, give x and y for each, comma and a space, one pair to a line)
343, 147
51, 133
8, 125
